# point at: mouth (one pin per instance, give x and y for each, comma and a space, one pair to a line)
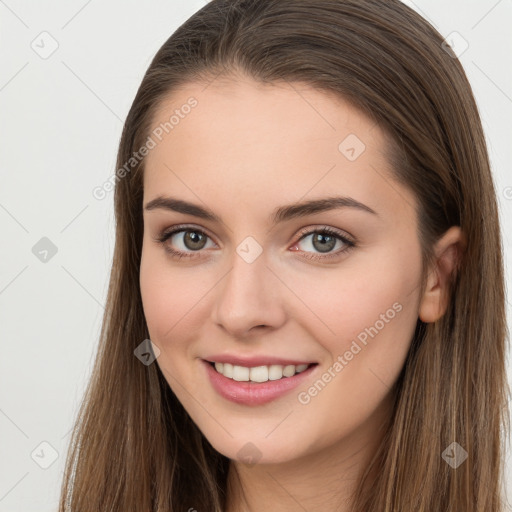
257, 385
259, 374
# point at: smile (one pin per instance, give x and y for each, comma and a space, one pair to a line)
258, 373
256, 385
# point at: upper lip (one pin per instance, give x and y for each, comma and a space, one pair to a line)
253, 361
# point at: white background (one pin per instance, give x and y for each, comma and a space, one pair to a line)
61, 120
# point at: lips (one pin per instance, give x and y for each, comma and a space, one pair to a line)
253, 361
255, 393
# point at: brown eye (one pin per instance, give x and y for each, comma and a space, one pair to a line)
194, 240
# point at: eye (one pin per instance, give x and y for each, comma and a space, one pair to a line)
324, 240
189, 240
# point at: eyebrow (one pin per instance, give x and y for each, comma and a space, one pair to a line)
280, 214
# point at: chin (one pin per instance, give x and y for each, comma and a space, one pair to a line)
256, 451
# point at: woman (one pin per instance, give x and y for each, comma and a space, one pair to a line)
307, 232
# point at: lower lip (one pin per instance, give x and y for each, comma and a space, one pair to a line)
254, 393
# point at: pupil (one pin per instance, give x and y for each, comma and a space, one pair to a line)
194, 240
326, 242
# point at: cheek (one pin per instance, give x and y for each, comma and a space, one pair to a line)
174, 302
348, 299
373, 315
160, 291
157, 300
168, 299
365, 310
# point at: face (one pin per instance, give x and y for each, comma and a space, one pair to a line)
255, 283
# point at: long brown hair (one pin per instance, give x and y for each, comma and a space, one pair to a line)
135, 448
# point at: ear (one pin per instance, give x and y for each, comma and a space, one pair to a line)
448, 250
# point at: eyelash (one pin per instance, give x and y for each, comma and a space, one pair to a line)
325, 230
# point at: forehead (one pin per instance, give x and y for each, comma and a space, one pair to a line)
278, 114
266, 143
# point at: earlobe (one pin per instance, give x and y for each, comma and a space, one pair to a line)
448, 250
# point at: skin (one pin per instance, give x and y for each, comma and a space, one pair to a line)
243, 151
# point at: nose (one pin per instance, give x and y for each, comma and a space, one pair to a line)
248, 298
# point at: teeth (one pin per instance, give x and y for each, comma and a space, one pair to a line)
258, 373
289, 371
240, 373
275, 372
